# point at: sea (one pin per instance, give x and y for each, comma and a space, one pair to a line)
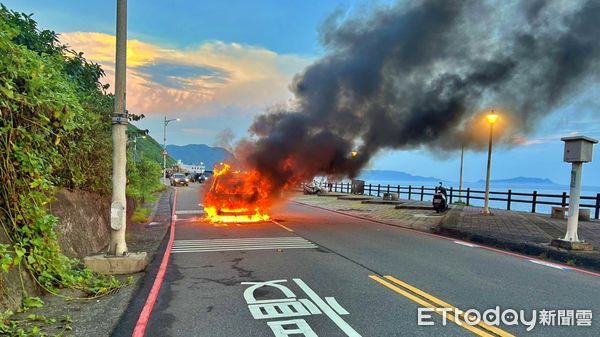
551, 189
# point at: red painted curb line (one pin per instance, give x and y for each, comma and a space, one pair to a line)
142, 322
591, 273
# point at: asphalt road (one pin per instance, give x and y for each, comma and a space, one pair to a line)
342, 276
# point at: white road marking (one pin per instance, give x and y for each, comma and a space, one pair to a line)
242, 239
153, 223
221, 245
336, 306
190, 211
548, 264
292, 306
302, 328
282, 226
465, 244
237, 249
241, 247
345, 327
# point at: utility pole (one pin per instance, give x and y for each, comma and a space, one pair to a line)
134, 141
117, 245
165, 151
460, 185
118, 260
491, 118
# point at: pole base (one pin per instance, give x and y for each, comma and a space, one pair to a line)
572, 245
115, 265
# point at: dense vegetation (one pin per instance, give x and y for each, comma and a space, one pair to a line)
54, 133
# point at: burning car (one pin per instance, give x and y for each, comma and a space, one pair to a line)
237, 196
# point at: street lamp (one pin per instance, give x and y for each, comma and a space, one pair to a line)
134, 141
491, 118
166, 122
460, 179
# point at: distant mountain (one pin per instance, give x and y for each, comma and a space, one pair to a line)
388, 175
196, 153
522, 181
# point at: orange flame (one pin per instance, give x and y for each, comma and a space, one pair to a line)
237, 196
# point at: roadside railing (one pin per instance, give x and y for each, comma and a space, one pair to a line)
468, 195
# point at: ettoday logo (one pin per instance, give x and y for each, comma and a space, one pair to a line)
508, 317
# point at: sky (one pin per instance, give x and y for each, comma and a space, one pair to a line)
217, 64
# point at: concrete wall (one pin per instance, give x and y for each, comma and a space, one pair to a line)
84, 222
83, 229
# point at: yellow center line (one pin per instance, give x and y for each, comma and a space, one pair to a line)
436, 309
443, 304
426, 304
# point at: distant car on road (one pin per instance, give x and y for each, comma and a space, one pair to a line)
179, 179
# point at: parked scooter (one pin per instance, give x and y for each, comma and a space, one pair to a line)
440, 199
312, 188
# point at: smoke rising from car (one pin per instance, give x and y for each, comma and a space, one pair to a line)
419, 74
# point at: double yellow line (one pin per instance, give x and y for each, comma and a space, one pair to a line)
429, 301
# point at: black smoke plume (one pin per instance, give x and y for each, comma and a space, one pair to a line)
419, 74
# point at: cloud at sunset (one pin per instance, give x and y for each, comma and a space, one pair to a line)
198, 79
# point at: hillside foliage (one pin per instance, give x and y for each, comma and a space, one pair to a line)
54, 133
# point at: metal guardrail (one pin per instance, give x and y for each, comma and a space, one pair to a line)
510, 197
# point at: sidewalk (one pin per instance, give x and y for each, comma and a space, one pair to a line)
521, 232
422, 220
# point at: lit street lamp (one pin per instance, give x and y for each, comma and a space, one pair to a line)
460, 183
491, 118
166, 122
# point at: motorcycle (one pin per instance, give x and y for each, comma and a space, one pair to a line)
440, 199
312, 188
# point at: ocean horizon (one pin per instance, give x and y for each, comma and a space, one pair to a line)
550, 189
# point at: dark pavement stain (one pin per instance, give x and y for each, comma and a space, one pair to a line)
229, 281
242, 273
